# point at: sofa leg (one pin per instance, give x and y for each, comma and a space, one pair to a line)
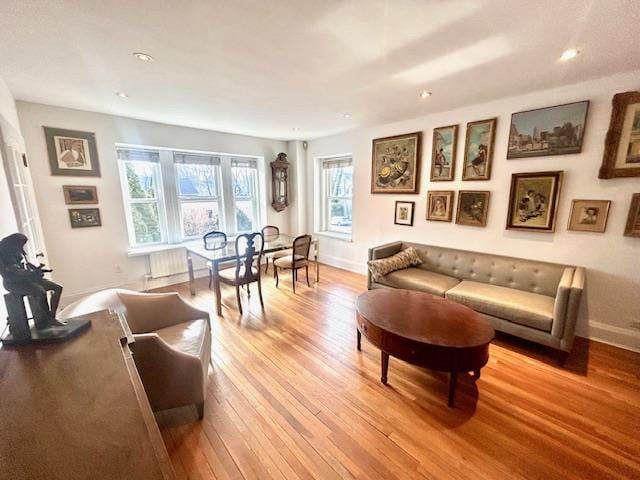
562, 358
200, 409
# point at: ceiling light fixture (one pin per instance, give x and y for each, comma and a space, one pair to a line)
569, 54
347, 116
122, 94
425, 94
143, 57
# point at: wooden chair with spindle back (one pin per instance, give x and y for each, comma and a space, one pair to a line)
297, 259
273, 232
245, 272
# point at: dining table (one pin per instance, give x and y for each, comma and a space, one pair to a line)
226, 253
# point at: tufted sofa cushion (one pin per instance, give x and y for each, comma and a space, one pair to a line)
419, 279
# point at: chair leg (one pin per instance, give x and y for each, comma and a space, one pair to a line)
238, 299
293, 279
266, 265
200, 409
249, 290
275, 274
260, 292
306, 274
210, 278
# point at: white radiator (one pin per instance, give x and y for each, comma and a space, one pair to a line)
166, 263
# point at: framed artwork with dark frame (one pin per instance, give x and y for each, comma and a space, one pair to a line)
589, 215
632, 229
395, 164
72, 153
478, 149
533, 201
473, 208
80, 194
85, 217
443, 153
404, 213
440, 205
622, 144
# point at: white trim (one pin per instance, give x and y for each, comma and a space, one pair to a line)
356, 267
345, 237
621, 337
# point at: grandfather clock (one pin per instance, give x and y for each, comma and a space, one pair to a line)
280, 183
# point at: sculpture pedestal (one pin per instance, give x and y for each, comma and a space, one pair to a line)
53, 334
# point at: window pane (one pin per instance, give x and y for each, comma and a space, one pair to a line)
199, 218
340, 215
141, 178
146, 222
197, 180
245, 220
340, 182
243, 181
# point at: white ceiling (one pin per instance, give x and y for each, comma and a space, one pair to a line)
265, 67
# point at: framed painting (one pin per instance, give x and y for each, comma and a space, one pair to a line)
556, 130
84, 217
79, 194
440, 205
473, 208
589, 215
533, 201
404, 213
443, 153
632, 229
395, 164
72, 153
622, 144
478, 149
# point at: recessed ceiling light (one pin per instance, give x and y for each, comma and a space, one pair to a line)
122, 94
425, 94
143, 57
295, 129
347, 116
569, 54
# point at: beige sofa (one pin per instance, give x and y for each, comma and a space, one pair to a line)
534, 300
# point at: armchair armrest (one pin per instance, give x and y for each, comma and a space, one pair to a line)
382, 251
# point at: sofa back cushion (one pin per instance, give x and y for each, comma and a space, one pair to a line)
526, 275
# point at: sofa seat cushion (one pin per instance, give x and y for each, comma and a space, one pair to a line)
188, 337
419, 279
525, 308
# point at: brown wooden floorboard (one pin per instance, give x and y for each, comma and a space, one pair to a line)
290, 397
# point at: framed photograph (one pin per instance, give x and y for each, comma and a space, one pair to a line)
79, 194
443, 153
533, 201
632, 228
622, 144
440, 205
84, 217
473, 208
589, 215
395, 164
557, 130
478, 149
72, 153
404, 213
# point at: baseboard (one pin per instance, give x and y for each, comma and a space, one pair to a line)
621, 337
356, 267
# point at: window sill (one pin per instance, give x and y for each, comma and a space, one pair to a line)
345, 237
149, 249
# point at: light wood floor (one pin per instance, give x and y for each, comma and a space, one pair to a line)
291, 397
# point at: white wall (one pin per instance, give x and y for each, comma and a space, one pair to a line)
91, 259
612, 300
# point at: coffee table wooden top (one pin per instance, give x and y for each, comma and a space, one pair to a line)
424, 318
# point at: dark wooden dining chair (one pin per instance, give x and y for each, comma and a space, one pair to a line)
245, 272
273, 231
297, 259
214, 240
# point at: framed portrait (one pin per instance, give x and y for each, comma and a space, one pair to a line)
395, 164
80, 194
443, 153
622, 144
589, 215
556, 130
84, 217
478, 149
533, 201
404, 213
440, 205
72, 153
632, 229
473, 208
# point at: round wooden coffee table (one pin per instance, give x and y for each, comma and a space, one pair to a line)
424, 330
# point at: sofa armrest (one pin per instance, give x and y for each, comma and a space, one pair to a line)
562, 301
382, 251
573, 295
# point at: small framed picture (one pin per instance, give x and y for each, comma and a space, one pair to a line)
80, 194
473, 208
632, 228
533, 201
443, 153
404, 213
72, 153
440, 205
478, 149
589, 215
84, 217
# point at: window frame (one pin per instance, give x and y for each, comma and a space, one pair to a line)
254, 197
325, 196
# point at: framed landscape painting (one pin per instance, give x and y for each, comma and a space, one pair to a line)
395, 164
404, 213
557, 130
473, 208
622, 144
77, 194
440, 205
72, 152
84, 217
632, 229
533, 201
443, 153
589, 215
478, 149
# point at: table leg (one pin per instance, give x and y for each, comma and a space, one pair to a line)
192, 286
384, 360
359, 339
453, 378
317, 253
216, 288
476, 374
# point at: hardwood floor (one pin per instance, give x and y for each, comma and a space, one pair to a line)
291, 397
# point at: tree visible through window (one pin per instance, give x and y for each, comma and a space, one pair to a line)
338, 190
142, 184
